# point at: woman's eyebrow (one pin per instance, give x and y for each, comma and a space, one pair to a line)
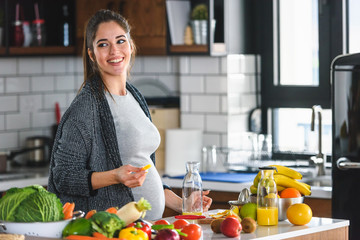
120, 36
103, 39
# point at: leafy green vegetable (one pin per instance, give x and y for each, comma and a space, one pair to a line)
30, 204
106, 223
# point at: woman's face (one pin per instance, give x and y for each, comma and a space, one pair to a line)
112, 50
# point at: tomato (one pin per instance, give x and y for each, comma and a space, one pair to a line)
193, 232
299, 214
180, 223
162, 222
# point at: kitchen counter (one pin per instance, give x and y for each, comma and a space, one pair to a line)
318, 228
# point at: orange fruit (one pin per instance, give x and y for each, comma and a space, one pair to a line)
299, 214
290, 193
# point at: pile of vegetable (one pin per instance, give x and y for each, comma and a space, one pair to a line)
127, 224
30, 204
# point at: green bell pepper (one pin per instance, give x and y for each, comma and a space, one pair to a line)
80, 226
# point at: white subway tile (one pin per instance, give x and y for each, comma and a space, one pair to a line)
216, 84
205, 65
223, 62
8, 66
171, 82
216, 123
211, 139
30, 65
192, 121
8, 140
184, 65
8, 103
54, 64
79, 78
70, 64
2, 122
224, 104
42, 83
43, 119
184, 103
30, 103
191, 84
2, 85
17, 85
224, 140
17, 121
205, 103
157, 65
175, 65
138, 66
51, 99
65, 82
79, 66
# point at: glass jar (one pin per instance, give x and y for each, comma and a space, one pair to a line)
27, 34
267, 198
38, 32
192, 190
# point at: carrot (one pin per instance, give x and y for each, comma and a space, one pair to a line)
79, 237
90, 214
99, 235
111, 210
69, 211
66, 205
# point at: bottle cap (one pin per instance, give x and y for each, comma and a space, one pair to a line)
268, 168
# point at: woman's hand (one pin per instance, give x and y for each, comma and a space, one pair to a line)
130, 176
206, 201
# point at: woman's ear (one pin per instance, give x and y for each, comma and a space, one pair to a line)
90, 55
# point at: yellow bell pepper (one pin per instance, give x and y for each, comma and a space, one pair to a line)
132, 233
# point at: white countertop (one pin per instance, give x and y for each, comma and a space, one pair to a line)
283, 230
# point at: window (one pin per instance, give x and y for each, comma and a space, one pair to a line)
299, 40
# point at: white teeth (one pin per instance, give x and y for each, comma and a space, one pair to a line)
115, 60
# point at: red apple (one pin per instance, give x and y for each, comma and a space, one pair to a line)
231, 227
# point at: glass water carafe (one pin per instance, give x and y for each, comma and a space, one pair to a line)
192, 190
267, 198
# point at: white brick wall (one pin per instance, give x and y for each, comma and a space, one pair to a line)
216, 93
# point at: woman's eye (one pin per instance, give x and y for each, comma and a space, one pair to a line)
121, 41
102, 45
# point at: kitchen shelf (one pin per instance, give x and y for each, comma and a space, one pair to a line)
189, 48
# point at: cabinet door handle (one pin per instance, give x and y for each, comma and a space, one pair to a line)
344, 163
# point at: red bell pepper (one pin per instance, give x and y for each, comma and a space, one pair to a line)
142, 226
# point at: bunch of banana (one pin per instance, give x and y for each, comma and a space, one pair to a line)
285, 178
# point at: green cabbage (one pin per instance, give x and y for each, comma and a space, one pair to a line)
30, 204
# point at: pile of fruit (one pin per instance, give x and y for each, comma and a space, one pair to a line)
243, 218
285, 178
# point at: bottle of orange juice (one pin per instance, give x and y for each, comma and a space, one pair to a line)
267, 198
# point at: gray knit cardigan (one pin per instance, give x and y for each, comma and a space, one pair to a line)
86, 142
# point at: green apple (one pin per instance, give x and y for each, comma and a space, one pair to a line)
248, 210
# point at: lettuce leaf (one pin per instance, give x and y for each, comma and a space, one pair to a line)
30, 204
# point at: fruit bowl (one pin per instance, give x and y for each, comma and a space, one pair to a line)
284, 204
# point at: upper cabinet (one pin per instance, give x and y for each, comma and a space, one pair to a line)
37, 27
216, 27
146, 17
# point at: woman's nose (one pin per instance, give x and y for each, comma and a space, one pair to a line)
113, 48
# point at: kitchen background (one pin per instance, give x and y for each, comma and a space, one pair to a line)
216, 93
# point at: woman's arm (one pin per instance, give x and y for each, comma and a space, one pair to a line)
174, 202
128, 175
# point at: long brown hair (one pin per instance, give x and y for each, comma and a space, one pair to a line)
90, 68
